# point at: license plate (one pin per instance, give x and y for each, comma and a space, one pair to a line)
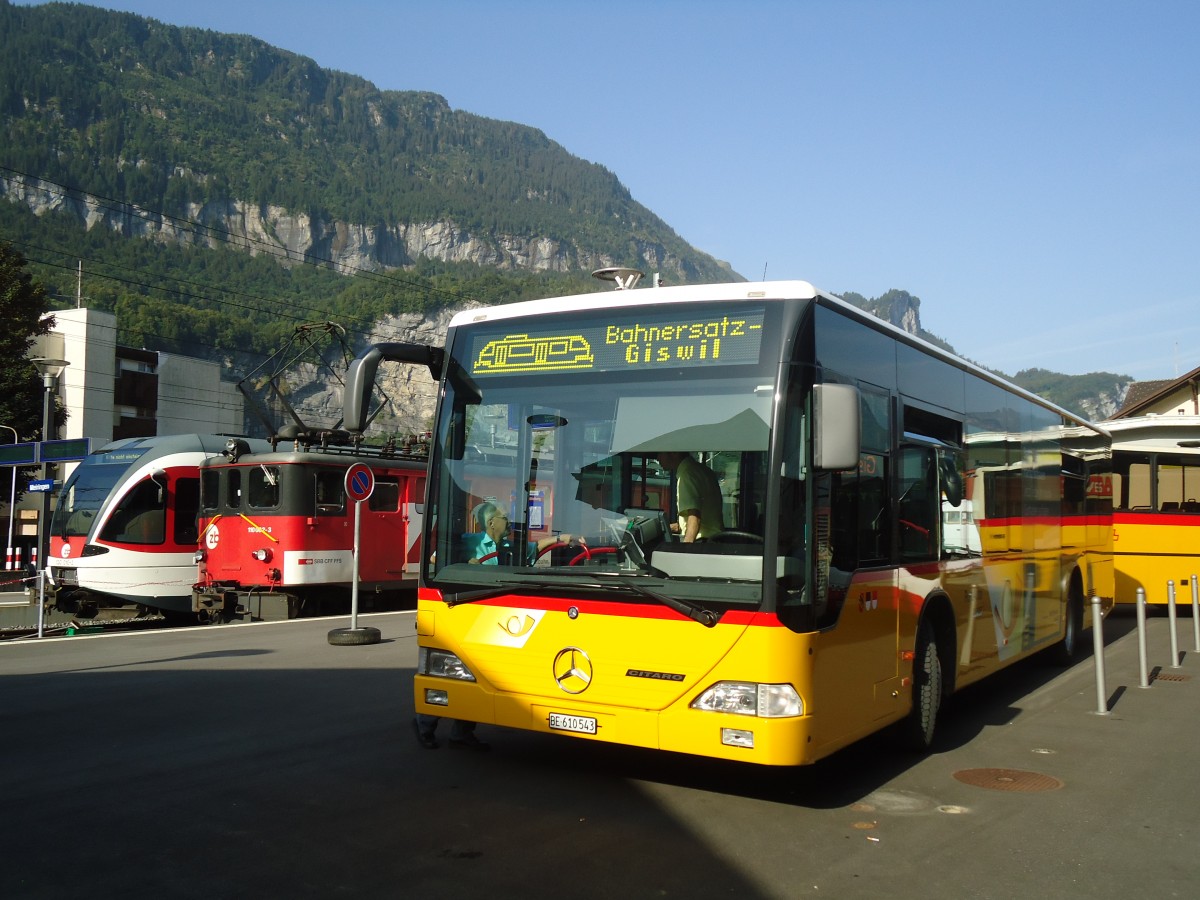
577, 724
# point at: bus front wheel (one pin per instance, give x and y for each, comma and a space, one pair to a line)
918, 729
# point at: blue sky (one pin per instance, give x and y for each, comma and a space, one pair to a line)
1029, 168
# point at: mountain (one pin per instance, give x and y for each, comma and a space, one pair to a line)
1097, 395
265, 146
219, 192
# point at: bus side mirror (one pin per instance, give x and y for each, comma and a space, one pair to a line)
360, 377
835, 426
952, 483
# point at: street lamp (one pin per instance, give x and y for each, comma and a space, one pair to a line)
49, 369
12, 501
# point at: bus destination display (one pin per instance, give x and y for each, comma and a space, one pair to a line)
622, 341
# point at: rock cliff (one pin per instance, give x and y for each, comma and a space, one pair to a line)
348, 246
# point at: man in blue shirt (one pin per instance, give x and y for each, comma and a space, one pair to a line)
490, 545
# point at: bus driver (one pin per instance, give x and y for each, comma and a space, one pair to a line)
490, 544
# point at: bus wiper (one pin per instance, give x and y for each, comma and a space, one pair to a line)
694, 611
705, 617
506, 587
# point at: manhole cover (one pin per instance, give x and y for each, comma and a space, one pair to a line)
1169, 676
1014, 780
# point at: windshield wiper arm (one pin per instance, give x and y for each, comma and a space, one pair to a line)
695, 611
488, 593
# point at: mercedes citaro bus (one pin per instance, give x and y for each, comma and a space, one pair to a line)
834, 602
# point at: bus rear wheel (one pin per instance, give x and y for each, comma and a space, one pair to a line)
918, 729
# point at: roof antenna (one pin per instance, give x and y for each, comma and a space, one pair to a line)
624, 278
764, 278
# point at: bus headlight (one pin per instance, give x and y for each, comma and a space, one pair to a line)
745, 698
442, 664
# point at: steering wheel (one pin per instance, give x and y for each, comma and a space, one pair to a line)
735, 537
589, 552
546, 549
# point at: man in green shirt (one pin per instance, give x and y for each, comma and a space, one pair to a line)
697, 496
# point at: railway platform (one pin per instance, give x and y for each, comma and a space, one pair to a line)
260, 759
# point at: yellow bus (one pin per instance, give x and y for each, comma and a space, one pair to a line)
1155, 490
833, 602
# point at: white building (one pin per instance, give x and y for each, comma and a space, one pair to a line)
114, 392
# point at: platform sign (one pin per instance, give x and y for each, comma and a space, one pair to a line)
71, 450
41, 486
18, 454
360, 482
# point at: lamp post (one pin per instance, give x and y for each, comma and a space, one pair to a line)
12, 501
49, 369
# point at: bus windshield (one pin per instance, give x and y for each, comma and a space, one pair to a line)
86, 490
544, 456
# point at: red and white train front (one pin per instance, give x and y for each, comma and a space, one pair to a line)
125, 527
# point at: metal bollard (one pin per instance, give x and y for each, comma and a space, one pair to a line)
1196, 613
1144, 671
1098, 648
1171, 617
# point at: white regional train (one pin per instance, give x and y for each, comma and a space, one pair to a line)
124, 532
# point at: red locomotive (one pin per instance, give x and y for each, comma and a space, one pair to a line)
277, 529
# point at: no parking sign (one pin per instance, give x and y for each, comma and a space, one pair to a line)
360, 482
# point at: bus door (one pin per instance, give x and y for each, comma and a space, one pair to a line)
855, 595
854, 606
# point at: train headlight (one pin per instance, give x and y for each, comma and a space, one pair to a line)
263, 555
442, 664
745, 698
199, 556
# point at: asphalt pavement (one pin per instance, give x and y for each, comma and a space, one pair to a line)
259, 760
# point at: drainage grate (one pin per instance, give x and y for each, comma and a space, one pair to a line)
1013, 780
1170, 676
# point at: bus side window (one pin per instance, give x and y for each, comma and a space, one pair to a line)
918, 507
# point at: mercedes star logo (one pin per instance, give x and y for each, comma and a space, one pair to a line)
572, 670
